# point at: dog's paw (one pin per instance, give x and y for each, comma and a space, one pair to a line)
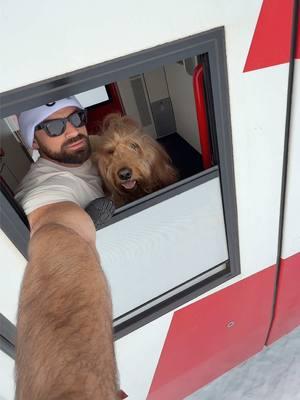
100, 210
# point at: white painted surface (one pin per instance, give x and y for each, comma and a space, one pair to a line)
11, 273
163, 246
12, 269
257, 101
291, 234
93, 96
259, 107
86, 38
7, 384
180, 85
138, 355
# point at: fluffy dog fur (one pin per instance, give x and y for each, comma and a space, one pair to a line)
130, 162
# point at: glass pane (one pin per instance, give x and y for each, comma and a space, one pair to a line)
162, 247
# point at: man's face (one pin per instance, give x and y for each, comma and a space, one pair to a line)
71, 147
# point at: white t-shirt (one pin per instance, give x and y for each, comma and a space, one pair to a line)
48, 182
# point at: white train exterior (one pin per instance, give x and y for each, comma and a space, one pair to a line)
203, 274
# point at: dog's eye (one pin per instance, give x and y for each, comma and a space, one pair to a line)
134, 146
110, 151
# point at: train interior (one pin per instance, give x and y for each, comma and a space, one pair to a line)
163, 101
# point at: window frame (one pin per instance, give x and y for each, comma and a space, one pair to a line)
210, 42
8, 334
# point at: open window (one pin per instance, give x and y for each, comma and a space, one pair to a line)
170, 246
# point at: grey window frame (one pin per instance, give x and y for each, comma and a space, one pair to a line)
210, 42
7, 336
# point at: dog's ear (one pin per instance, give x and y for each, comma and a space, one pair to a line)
95, 157
162, 170
110, 120
118, 123
95, 142
130, 123
165, 174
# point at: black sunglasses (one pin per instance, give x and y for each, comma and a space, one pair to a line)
56, 127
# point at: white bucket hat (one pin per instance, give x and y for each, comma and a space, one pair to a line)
29, 119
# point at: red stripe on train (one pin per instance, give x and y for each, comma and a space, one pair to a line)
272, 37
211, 336
287, 308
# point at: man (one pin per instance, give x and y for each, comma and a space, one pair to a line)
64, 330
64, 171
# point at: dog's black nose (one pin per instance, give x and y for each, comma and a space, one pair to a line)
125, 174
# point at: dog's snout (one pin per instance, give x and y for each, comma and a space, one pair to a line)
125, 174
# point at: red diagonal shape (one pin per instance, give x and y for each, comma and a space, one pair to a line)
207, 338
272, 37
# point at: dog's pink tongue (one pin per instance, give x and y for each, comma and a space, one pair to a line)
129, 184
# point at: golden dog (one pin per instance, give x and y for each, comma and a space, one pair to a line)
131, 163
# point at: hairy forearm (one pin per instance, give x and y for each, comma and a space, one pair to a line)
64, 330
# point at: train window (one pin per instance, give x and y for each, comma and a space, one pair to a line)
164, 248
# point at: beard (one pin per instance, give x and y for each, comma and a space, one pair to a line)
69, 156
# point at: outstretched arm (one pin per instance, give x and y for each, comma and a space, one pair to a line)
64, 330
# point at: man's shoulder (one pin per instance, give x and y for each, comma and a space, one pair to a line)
41, 166
39, 171
46, 169
44, 165
48, 182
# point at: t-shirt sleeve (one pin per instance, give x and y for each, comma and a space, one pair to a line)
49, 192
